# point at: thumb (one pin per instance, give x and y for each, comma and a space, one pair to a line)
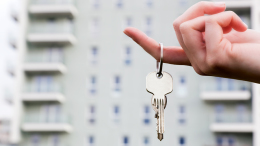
213, 34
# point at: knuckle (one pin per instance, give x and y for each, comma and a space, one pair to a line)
200, 72
212, 64
176, 24
184, 27
231, 13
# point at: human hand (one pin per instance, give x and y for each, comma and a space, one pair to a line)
218, 44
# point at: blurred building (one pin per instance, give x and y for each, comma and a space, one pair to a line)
83, 81
9, 35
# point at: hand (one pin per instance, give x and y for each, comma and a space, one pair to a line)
218, 44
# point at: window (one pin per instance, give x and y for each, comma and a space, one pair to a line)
219, 141
55, 140
182, 114
68, 25
117, 83
90, 141
183, 3
219, 83
231, 141
35, 140
94, 27
128, 22
44, 83
224, 84
119, 3
116, 114
125, 141
94, 55
146, 115
50, 113
182, 141
148, 26
95, 3
92, 118
182, 86
149, 3
55, 55
127, 56
241, 113
230, 84
146, 141
93, 84
219, 109
51, 25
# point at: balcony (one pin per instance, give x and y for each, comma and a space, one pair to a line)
52, 8
220, 89
52, 38
232, 124
40, 92
54, 30
47, 61
43, 97
225, 95
47, 123
45, 67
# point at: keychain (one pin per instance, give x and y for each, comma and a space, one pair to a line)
159, 84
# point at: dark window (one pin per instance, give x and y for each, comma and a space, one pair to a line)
146, 141
182, 141
116, 110
126, 140
91, 139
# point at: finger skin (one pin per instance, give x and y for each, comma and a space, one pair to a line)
197, 10
248, 36
224, 19
172, 55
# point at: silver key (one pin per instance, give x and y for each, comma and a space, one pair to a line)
159, 87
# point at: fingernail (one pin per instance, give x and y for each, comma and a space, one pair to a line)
219, 4
126, 33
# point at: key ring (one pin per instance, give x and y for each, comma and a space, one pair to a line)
159, 65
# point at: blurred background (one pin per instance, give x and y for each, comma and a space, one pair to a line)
70, 77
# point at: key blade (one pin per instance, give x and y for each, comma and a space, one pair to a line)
160, 118
160, 136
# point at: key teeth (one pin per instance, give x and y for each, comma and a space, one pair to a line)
160, 136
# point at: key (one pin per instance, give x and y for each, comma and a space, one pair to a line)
159, 87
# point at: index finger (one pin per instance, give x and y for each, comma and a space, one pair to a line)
172, 54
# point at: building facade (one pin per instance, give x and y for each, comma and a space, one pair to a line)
82, 81
9, 35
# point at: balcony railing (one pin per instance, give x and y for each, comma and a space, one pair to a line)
60, 26
40, 58
52, 2
52, 31
47, 123
225, 89
48, 118
233, 118
53, 7
50, 88
232, 124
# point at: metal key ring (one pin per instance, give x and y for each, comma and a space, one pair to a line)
159, 65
